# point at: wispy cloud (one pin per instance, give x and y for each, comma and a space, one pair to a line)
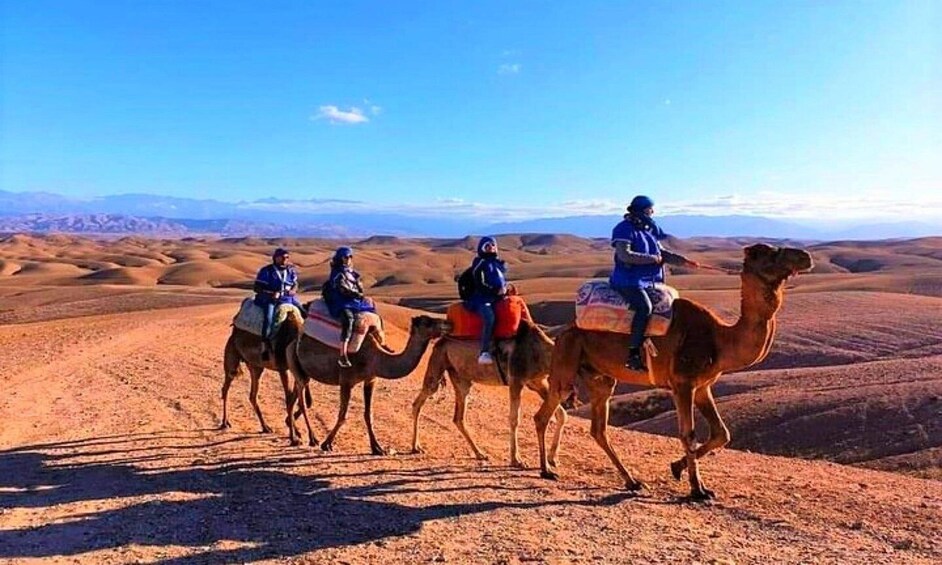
509, 69
335, 115
771, 205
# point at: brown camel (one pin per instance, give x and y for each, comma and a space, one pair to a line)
696, 350
526, 364
245, 347
310, 359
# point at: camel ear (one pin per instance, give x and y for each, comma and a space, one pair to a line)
758, 250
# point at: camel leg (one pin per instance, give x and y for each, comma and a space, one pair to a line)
515, 390
256, 374
225, 399
566, 358
462, 388
289, 403
298, 396
600, 393
231, 363
719, 433
328, 444
683, 398
542, 388
434, 374
375, 447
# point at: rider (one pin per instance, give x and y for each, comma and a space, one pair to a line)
343, 293
275, 284
639, 260
490, 287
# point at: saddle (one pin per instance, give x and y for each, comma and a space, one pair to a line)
599, 307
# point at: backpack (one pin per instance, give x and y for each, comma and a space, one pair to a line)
466, 283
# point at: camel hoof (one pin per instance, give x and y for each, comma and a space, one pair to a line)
549, 475
312, 442
379, 450
418, 450
225, 425
294, 442
677, 468
518, 464
481, 457
634, 486
266, 430
702, 494
327, 446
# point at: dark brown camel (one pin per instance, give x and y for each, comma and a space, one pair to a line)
245, 347
696, 350
309, 359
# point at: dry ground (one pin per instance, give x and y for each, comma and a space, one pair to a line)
109, 450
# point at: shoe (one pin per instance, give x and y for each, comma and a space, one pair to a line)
485, 358
635, 361
344, 362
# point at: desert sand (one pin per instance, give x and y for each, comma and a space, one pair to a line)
110, 452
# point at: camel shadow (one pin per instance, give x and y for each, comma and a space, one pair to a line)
235, 511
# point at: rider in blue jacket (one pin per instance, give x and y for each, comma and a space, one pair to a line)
639, 263
490, 287
343, 293
276, 283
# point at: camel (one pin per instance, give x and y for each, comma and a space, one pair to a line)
245, 347
696, 350
526, 365
310, 359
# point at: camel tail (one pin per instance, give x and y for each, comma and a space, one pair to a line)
232, 360
567, 355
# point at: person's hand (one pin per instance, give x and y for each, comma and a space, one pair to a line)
291, 292
277, 295
658, 260
692, 263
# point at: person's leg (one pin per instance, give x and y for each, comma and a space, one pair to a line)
267, 324
641, 305
486, 311
347, 317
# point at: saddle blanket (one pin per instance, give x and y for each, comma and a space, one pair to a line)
469, 325
250, 317
323, 327
599, 307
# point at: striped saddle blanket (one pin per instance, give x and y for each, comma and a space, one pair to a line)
251, 317
599, 307
323, 327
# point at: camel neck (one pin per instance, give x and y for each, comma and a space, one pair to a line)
403, 363
747, 342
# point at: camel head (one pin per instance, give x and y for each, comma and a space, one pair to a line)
428, 327
774, 265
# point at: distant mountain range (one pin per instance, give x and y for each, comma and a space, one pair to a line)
270, 217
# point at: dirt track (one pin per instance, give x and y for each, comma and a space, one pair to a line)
110, 454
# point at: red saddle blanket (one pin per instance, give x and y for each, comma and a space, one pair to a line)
509, 312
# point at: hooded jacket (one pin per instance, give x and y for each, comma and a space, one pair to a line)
490, 280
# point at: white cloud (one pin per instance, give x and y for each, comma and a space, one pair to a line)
335, 115
509, 69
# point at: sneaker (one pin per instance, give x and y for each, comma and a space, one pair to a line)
344, 362
636, 362
485, 358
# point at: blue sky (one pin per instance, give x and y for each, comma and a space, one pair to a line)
803, 109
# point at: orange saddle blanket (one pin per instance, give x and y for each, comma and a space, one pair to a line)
509, 312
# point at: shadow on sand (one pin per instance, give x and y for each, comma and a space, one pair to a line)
252, 503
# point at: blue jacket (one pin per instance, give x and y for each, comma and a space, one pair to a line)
344, 291
640, 239
490, 280
272, 279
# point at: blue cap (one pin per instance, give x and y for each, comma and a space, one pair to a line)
281, 251
640, 203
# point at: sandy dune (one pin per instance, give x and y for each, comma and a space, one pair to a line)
111, 370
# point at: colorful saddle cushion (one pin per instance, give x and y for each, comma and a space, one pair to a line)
323, 327
599, 307
250, 317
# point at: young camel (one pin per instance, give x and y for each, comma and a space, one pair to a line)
245, 347
310, 359
526, 364
696, 350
